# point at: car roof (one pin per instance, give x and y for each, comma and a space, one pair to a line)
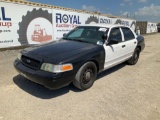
104, 25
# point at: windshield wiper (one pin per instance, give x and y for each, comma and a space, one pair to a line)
75, 40
82, 41
70, 39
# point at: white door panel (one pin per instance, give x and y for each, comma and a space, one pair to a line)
130, 46
130, 41
114, 54
118, 53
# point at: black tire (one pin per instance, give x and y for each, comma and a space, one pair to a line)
85, 76
92, 19
134, 59
23, 25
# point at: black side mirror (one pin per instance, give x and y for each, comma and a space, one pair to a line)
104, 37
111, 42
64, 34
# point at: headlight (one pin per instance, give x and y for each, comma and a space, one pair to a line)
56, 68
19, 56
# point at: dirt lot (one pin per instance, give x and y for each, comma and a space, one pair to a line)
121, 93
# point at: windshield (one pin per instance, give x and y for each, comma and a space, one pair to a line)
87, 34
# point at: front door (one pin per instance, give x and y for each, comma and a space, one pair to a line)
114, 53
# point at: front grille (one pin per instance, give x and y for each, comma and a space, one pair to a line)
29, 62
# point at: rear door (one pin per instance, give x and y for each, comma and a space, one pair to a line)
130, 41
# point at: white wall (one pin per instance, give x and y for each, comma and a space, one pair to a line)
151, 27
23, 24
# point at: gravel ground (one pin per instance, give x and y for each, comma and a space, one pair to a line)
120, 93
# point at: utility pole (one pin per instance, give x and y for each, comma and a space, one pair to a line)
134, 16
127, 15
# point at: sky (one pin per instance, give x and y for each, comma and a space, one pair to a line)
143, 10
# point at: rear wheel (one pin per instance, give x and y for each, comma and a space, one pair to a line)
134, 59
85, 76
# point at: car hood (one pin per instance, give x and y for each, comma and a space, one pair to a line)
60, 50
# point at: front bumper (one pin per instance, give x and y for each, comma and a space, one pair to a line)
49, 80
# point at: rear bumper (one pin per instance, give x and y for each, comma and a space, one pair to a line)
49, 80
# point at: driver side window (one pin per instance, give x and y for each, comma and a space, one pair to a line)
115, 34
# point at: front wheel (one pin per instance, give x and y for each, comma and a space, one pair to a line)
85, 76
134, 59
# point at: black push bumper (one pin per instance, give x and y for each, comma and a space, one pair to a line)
49, 80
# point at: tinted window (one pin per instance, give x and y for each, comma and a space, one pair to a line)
128, 35
115, 34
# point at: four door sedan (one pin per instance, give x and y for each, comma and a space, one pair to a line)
79, 56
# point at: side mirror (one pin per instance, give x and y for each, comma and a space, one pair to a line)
111, 42
104, 37
64, 34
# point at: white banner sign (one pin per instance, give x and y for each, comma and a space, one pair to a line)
65, 21
23, 24
151, 27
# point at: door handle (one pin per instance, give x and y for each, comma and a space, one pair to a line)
123, 46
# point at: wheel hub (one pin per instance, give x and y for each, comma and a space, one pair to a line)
88, 76
136, 56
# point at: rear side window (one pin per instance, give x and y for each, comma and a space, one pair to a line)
115, 34
128, 35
